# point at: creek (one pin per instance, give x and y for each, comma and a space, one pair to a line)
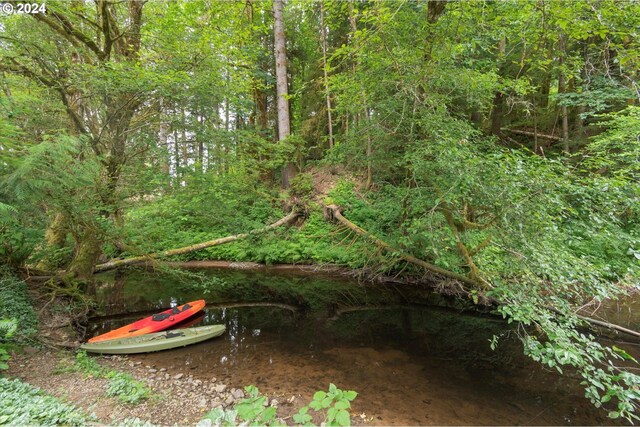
426, 363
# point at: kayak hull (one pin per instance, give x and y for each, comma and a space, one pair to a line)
155, 323
157, 341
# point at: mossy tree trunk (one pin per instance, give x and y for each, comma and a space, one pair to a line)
87, 252
55, 238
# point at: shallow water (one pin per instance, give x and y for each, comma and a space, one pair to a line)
410, 364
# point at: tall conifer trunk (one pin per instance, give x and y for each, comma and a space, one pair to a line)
282, 91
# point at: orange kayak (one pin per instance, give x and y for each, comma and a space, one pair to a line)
154, 323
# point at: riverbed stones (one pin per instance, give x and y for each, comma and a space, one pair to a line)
178, 376
220, 388
237, 393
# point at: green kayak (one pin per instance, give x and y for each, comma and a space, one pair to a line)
156, 341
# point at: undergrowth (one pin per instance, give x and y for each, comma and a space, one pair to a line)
120, 384
23, 404
329, 408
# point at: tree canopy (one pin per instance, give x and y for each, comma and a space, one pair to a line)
499, 140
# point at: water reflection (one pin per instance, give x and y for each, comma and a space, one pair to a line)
411, 365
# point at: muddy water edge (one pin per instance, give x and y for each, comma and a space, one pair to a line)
412, 360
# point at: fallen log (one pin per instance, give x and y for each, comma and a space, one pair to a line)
116, 263
334, 212
533, 134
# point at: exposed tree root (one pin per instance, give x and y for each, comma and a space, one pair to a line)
113, 264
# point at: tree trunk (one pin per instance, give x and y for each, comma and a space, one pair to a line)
435, 8
163, 142
498, 100
323, 32
282, 90
184, 145
86, 254
55, 238
562, 89
369, 148
176, 155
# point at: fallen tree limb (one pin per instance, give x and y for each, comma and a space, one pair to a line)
113, 264
601, 323
608, 325
533, 134
335, 213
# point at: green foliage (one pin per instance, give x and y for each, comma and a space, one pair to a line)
179, 143
126, 388
8, 327
88, 365
557, 236
201, 212
302, 186
17, 240
121, 385
16, 305
23, 404
18, 319
250, 410
616, 152
333, 405
607, 379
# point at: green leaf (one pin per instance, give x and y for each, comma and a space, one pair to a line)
215, 415
343, 418
326, 402
331, 415
314, 404
350, 395
268, 414
302, 418
342, 404
319, 395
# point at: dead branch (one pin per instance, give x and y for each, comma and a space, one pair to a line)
533, 134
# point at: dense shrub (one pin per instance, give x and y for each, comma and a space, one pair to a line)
16, 304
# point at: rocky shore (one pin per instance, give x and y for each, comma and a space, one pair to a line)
177, 399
